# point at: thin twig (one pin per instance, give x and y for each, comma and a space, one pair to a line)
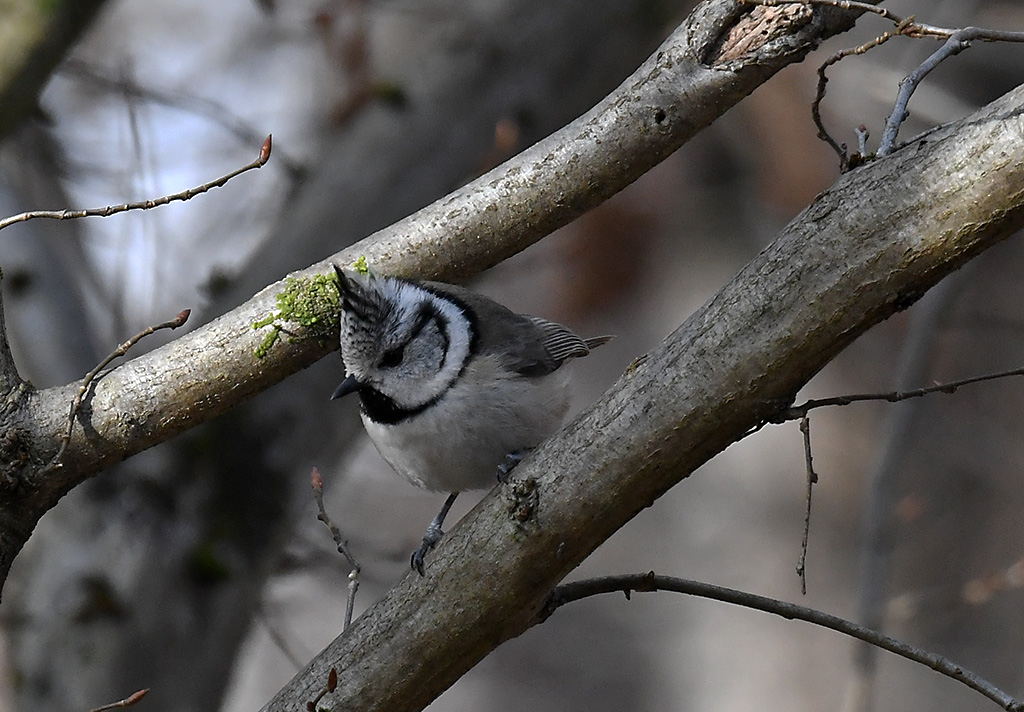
353, 576
819, 96
331, 686
126, 702
799, 411
627, 583
90, 377
142, 204
862, 139
956, 41
812, 478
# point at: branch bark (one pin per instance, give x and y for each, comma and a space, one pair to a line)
709, 63
870, 246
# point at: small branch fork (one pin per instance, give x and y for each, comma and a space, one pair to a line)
260, 161
956, 41
798, 412
91, 377
353, 578
83, 389
648, 582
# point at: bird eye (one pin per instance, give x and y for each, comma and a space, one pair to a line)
392, 358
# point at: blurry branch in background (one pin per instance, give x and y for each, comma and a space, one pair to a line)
216, 112
34, 38
649, 582
878, 539
259, 162
279, 638
956, 41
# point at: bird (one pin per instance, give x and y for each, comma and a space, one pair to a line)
454, 388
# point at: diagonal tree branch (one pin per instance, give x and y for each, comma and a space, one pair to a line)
868, 247
708, 64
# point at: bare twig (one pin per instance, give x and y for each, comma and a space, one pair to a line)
260, 161
862, 139
799, 411
353, 576
126, 702
331, 686
819, 95
956, 41
648, 582
812, 478
90, 377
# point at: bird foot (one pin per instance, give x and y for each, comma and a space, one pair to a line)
430, 539
511, 460
433, 535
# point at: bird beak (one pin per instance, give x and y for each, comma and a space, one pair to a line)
349, 385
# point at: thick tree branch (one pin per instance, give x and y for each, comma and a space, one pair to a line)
870, 246
708, 64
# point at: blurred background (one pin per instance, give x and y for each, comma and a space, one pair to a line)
198, 568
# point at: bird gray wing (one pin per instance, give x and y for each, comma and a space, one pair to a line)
558, 341
528, 345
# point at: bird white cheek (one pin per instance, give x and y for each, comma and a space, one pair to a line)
459, 442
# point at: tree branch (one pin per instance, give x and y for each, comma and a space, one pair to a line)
696, 74
109, 210
865, 249
649, 582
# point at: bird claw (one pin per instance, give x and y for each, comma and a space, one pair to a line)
511, 460
429, 541
433, 535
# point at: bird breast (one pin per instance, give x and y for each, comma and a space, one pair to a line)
458, 442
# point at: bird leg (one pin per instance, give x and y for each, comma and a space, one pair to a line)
433, 534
